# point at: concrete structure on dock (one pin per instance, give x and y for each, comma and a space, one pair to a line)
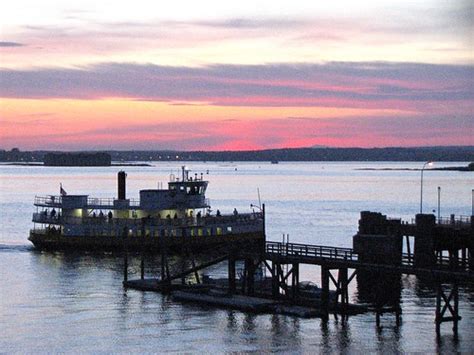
448, 240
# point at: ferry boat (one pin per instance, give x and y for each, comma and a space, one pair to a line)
173, 217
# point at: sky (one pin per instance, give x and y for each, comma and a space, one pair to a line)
219, 75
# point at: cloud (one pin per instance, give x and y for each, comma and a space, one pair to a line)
412, 86
247, 23
11, 44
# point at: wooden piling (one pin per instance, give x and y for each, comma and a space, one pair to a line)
125, 254
125, 266
455, 314
325, 291
231, 272
275, 276
438, 308
295, 280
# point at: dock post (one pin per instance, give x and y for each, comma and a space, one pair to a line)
407, 237
464, 258
343, 289
250, 267
275, 276
438, 308
325, 292
125, 255
244, 277
470, 248
125, 266
453, 258
231, 271
453, 309
295, 280
142, 249
183, 261
162, 254
456, 308
424, 254
398, 315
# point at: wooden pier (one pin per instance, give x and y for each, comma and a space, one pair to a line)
377, 256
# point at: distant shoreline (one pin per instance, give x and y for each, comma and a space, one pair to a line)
76, 166
451, 168
318, 154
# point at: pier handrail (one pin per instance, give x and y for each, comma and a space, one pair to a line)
456, 221
306, 250
329, 253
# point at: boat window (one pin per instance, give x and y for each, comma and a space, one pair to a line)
192, 190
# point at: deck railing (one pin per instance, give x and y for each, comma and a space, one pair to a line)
50, 200
240, 219
92, 202
109, 202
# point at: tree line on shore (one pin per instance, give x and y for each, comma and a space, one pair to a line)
451, 153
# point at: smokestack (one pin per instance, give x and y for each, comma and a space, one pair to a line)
121, 184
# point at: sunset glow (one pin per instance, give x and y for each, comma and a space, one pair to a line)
210, 77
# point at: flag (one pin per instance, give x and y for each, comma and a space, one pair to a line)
61, 190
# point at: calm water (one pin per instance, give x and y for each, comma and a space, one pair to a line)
56, 302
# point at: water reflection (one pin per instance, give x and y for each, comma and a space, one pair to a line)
286, 332
343, 337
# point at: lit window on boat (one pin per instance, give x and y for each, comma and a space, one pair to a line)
229, 229
219, 231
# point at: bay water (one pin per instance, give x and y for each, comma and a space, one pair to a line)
74, 302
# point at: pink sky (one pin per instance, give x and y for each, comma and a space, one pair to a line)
242, 77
